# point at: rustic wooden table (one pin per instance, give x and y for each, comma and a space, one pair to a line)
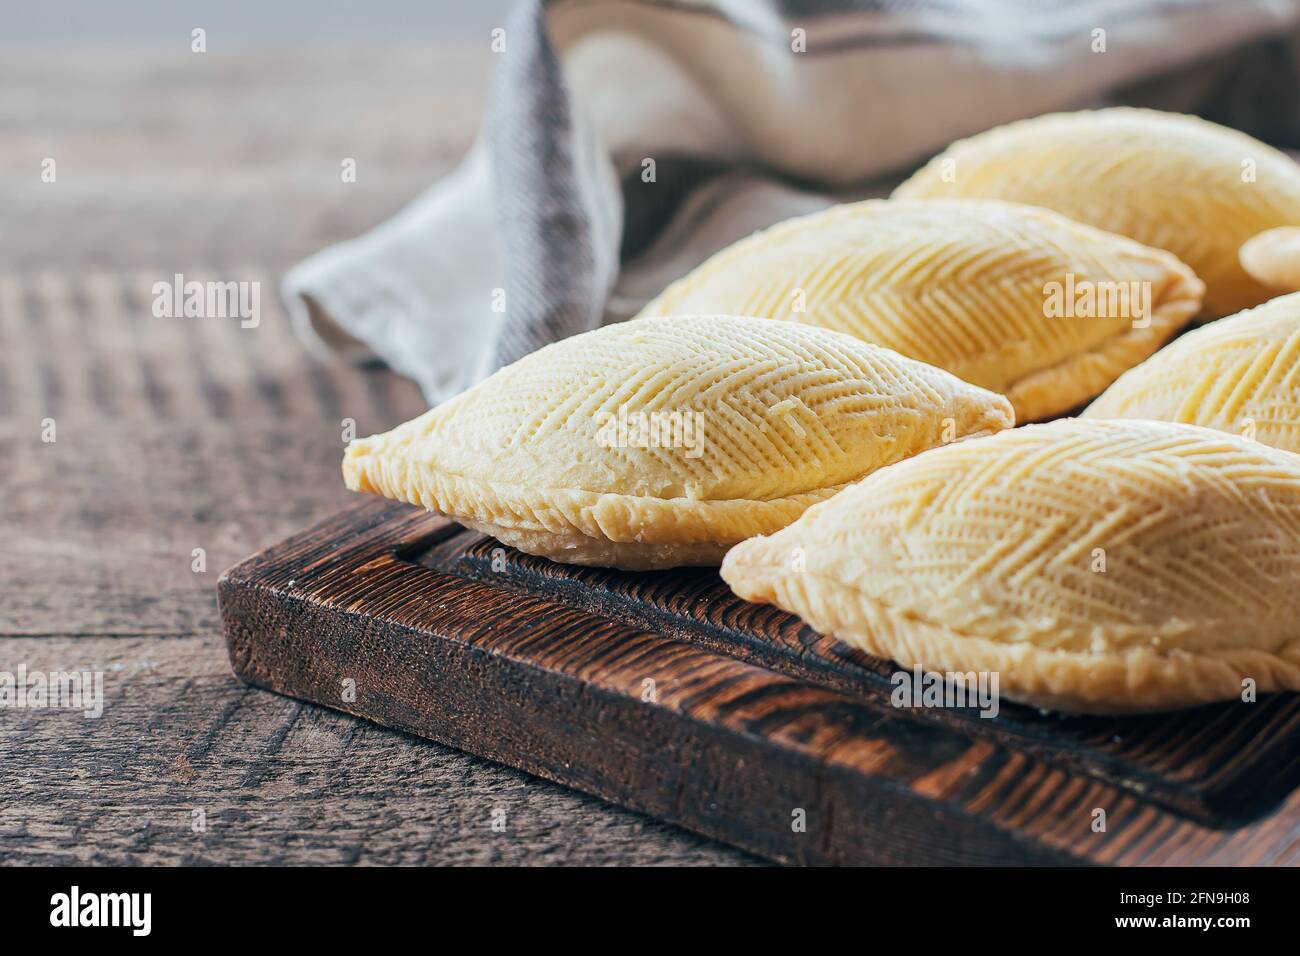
178, 434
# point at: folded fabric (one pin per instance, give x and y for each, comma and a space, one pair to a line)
628, 140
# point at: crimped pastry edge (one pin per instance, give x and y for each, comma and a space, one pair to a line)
630, 532
1079, 378
573, 526
1138, 680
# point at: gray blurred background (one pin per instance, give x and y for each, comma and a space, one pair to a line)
166, 157
242, 22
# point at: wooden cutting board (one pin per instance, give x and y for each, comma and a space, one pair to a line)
664, 693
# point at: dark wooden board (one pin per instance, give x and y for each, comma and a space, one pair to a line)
666, 694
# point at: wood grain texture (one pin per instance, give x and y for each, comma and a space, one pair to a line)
175, 434
1223, 764
752, 718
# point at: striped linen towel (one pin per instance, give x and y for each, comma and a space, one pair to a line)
627, 140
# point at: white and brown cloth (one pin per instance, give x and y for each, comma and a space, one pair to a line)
627, 140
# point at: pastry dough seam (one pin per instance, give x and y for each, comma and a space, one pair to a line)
1135, 680
891, 611
1037, 394
594, 514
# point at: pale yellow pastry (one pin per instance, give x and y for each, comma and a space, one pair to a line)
1273, 257
662, 442
1167, 180
1095, 566
1240, 374
1013, 298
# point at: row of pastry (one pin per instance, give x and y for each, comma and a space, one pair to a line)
827, 408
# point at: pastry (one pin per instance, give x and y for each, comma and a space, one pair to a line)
1273, 258
1095, 566
662, 442
1012, 298
1167, 180
1240, 374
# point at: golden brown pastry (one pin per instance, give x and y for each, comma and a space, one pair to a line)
662, 442
1009, 297
1240, 374
1096, 566
1167, 180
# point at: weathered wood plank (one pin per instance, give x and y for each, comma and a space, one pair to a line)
277, 781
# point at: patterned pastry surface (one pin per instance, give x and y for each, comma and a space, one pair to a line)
1096, 566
